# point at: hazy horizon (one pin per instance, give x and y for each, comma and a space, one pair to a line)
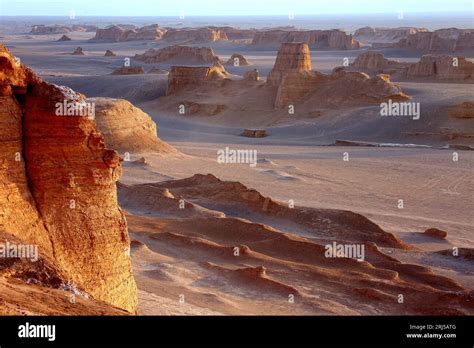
216, 8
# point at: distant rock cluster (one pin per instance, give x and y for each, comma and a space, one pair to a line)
60, 29
178, 54
419, 39
430, 66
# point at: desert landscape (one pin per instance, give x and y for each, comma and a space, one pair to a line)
237, 165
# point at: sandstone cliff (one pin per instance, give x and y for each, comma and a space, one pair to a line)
372, 60
126, 128
59, 29
296, 82
119, 33
441, 40
185, 77
291, 57
319, 39
385, 35
194, 35
443, 67
178, 54
432, 66
58, 185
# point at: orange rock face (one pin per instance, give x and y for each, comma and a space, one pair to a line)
292, 57
193, 36
182, 77
431, 66
122, 124
295, 82
58, 185
372, 60
320, 39
441, 40
178, 54
119, 33
385, 35
443, 67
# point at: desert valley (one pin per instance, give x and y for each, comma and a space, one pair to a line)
230, 166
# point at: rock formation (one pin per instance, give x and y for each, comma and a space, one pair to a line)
385, 35
318, 39
129, 70
126, 128
237, 60
178, 54
252, 75
373, 60
194, 35
441, 40
236, 33
291, 57
436, 233
464, 110
432, 66
295, 81
182, 77
64, 38
254, 133
58, 188
60, 29
119, 33
443, 67
78, 52
109, 53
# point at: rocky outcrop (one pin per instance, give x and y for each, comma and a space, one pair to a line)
78, 52
183, 77
436, 233
291, 57
57, 186
432, 66
373, 60
464, 110
441, 40
129, 70
254, 133
60, 29
385, 35
126, 128
442, 67
119, 33
64, 38
237, 60
236, 33
318, 39
109, 53
178, 54
295, 82
252, 75
194, 35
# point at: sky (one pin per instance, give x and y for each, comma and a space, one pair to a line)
225, 7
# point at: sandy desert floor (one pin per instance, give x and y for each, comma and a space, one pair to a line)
184, 262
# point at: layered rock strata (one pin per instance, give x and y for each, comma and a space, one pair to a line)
57, 184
